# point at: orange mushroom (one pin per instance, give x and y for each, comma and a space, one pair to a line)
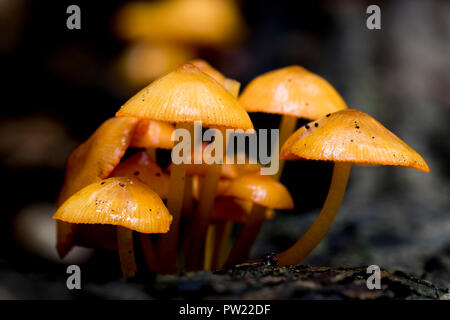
183, 96
142, 167
346, 137
292, 92
124, 202
91, 162
264, 193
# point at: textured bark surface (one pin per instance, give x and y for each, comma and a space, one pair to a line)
266, 281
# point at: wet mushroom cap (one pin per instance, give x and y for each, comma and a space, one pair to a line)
187, 94
153, 134
97, 157
142, 167
120, 201
262, 190
350, 136
292, 91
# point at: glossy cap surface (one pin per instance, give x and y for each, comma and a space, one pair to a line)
292, 91
351, 136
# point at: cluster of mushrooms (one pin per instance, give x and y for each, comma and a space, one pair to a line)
181, 218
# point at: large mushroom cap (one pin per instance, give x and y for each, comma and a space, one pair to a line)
262, 190
142, 167
125, 202
186, 95
153, 134
350, 136
97, 157
292, 91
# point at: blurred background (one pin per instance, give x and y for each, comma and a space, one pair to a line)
59, 85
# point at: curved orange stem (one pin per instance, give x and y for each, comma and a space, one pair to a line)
303, 247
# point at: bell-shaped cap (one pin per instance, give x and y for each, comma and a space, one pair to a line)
209, 70
119, 201
97, 157
153, 134
262, 190
187, 94
142, 167
202, 22
292, 91
350, 136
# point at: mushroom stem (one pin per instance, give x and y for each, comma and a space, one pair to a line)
188, 201
221, 244
247, 236
287, 127
196, 239
209, 247
168, 243
126, 252
149, 251
303, 247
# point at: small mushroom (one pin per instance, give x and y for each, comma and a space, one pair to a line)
264, 193
346, 137
183, 96
124, 202
91, 162
292, 92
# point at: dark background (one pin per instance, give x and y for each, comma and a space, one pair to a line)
59, 85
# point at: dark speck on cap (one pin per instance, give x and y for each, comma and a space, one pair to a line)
306, 126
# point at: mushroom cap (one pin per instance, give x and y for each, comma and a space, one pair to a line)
120, 201
142, 167
202, 22
187, 94
262, 190
209, 70
350, 136
97, 157
292, 91
153, 134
